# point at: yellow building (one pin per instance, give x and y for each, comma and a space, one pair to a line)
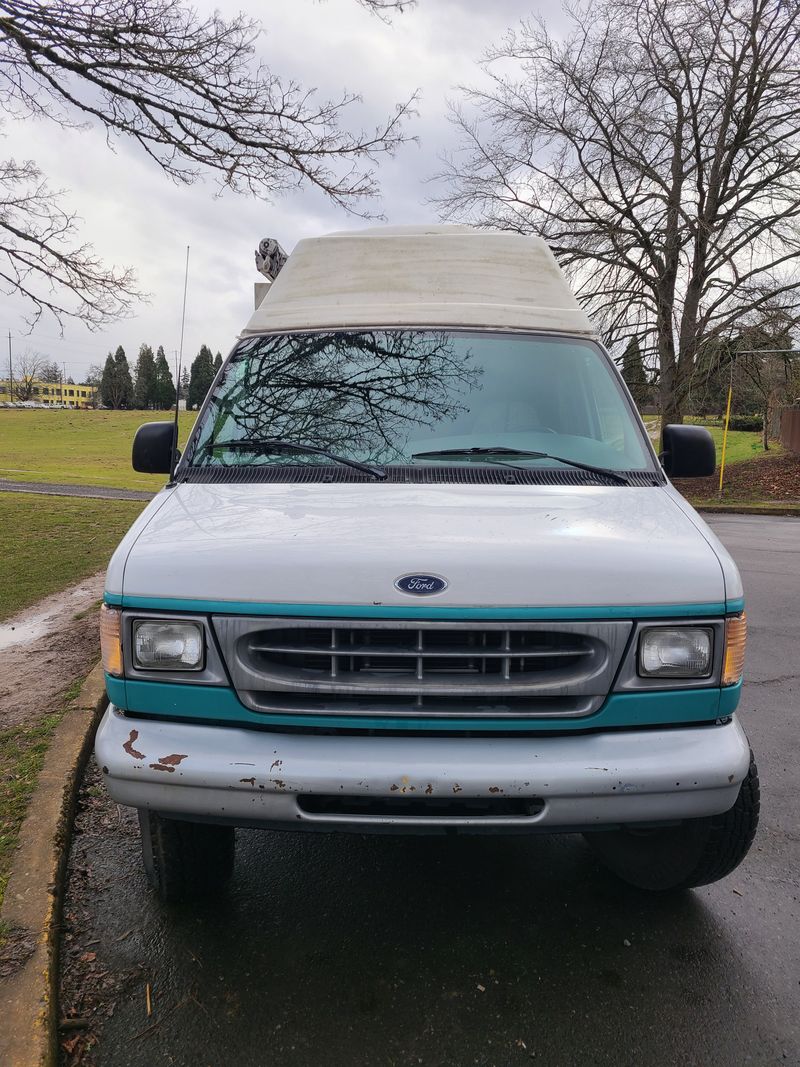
52, 394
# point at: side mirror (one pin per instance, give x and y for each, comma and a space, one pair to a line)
152, 448
689, 452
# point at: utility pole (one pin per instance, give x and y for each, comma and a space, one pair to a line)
10, 372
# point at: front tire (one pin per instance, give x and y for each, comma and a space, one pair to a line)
694, 853
185, 859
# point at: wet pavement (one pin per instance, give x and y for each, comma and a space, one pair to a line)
377, 950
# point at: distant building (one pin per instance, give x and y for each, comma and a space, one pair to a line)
52, 394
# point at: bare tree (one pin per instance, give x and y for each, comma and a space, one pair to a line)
767, 361
657, 149
40, 259
26, 371
188, 90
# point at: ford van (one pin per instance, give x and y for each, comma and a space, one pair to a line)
419, 569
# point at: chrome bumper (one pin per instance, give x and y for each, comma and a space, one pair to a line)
250, 777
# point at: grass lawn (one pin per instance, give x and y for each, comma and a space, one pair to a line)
78, 447
22, 752
50, 542
742, 444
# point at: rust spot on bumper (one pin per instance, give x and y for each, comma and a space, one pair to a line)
173, 760
161, 767
248, 781
128, 746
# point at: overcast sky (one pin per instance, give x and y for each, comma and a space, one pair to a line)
135, 216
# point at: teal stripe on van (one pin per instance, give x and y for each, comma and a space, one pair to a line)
429, 611
203, 703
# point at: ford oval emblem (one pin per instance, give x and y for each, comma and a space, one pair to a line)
421, 584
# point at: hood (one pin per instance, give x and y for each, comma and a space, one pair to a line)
346, 544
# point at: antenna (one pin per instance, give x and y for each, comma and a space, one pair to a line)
172, 462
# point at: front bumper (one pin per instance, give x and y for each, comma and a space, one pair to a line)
277, 780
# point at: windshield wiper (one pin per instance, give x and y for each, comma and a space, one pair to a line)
279, 444
501, 450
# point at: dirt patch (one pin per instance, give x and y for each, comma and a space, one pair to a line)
44, 648
16, 946
773, 479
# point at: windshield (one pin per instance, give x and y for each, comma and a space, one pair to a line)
386, 396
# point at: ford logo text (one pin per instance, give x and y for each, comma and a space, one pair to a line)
421, 584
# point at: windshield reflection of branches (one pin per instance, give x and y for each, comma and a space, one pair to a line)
356, 393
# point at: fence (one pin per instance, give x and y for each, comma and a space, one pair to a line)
790, 429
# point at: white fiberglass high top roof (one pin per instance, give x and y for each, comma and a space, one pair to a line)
421, 276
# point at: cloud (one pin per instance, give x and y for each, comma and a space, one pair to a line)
134, 215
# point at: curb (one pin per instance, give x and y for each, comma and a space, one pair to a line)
34, 895
723, 509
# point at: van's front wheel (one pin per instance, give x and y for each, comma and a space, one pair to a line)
693, 853
185, 859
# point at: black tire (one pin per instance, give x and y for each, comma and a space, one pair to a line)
694, 853
185, 859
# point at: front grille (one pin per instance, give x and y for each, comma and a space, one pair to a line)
357, 667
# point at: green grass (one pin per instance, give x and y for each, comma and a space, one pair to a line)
50, 542
742, 444
78, 447
22, 752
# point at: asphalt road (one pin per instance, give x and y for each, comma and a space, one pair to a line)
354, 951
99, 492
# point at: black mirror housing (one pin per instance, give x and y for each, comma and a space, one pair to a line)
689, 452
152, 448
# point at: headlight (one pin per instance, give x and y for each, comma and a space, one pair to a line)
685, 652
167, 646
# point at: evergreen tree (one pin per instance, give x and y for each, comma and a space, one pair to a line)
50, 372
634, 373
184, 388
122, 380
144, 392
116, 387
107, 390
217, 362
201, 377
164, 387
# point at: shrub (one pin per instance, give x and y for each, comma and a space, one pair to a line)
753, 423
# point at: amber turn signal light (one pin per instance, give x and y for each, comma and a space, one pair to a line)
735, 641
110, 640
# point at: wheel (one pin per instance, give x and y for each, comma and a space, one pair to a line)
185, 859
696, 852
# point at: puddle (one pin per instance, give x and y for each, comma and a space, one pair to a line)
51, 614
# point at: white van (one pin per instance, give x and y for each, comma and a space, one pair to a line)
419, 570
